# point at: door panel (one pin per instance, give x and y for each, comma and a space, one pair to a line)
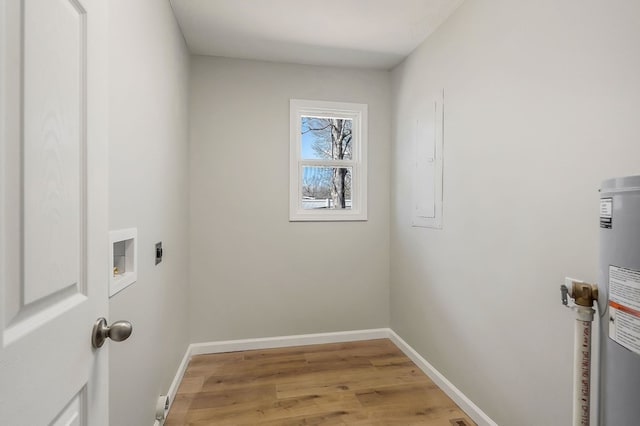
53, 203
53, 145
73, 414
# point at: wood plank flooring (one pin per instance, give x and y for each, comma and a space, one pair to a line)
357, 383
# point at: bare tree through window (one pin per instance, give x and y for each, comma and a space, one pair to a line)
331, 139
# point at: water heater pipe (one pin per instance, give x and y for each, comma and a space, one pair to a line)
584, 295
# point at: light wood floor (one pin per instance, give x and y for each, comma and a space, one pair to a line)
356, 383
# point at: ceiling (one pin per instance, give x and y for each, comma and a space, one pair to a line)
351, 33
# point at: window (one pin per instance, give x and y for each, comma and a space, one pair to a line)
328, 163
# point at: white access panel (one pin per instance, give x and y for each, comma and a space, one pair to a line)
427, 176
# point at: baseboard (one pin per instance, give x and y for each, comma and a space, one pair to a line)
173, 389
454, 393
472, 410
287, 341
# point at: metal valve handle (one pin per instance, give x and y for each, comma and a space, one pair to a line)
118, 331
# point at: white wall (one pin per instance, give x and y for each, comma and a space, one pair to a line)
542, 103
149, 71
253, 273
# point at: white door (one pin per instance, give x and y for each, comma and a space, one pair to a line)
53, 211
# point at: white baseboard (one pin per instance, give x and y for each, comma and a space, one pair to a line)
472, 410
173, 389
287, 341
454, 393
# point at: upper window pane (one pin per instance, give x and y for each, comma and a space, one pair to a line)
326, 138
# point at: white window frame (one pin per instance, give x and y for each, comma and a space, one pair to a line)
358, 114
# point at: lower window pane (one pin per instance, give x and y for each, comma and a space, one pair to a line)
326, 187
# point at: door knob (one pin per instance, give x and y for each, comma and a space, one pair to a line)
118, 331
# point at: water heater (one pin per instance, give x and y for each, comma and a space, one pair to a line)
619, 302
